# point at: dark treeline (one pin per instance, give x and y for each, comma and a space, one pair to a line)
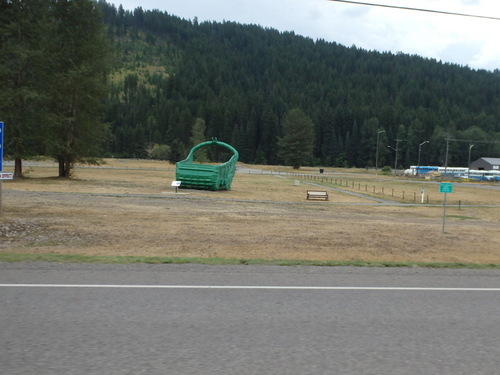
243, 79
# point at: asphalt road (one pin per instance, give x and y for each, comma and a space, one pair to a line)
195, 319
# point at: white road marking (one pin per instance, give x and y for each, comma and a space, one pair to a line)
266, 287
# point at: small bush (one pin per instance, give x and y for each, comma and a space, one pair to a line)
160, 152
386, 170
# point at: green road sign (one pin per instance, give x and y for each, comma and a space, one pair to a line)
446, 187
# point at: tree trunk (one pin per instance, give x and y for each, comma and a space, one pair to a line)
67, 169
18, 167
64, 168
61, 167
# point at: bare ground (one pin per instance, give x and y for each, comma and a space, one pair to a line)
136, 212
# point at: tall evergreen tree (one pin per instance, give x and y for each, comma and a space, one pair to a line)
197, 137
24, 27
80, 67
267, 141
177, 151
367, 144
297, 143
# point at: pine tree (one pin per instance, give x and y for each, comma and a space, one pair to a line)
297, 143
80, 67
24, 26
267, 141
197, 137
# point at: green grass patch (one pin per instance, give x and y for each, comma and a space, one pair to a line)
14, 257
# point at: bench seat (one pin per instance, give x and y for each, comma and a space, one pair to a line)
317, 194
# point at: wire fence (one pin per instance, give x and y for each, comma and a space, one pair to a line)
371, 189
378, 191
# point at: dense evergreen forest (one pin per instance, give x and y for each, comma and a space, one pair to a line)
242, 80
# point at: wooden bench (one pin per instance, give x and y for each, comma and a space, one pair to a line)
317, 194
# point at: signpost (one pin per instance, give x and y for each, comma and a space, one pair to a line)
176, 184
445, 187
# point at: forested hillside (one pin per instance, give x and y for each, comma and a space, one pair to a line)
243, 79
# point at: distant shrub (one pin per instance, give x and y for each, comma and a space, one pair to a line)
386, 170
160, 152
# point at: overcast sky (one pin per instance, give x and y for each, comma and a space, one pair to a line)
468, 41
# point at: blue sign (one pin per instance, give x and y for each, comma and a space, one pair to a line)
1, 146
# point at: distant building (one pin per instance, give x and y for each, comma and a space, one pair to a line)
486, 164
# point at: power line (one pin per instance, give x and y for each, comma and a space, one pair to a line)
417, 9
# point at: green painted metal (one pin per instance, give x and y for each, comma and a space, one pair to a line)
205, 176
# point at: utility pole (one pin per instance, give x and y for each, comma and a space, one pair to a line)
468, 163
419, 150
396, 158
376, 156
446, 157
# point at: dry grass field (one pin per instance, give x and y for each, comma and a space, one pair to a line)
129, 208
